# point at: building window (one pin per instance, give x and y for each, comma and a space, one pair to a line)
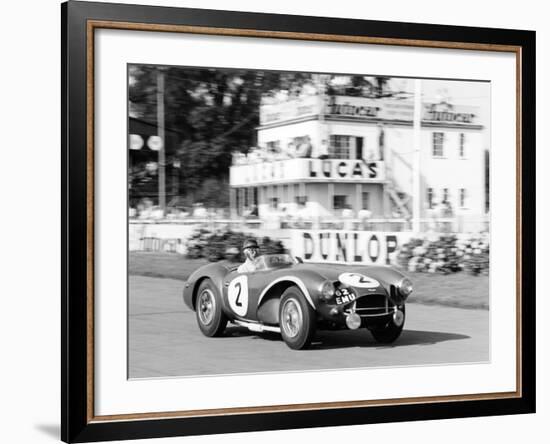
461, 146
339, 202
430, 198
437, 144
462, 197
365, 200
339, 147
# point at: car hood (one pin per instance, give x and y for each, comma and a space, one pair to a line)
386, 275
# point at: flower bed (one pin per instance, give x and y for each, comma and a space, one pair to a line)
446, 254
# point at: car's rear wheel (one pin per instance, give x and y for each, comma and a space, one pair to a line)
296, 319
389, 333
208, 309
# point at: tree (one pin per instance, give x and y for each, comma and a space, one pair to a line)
213, 112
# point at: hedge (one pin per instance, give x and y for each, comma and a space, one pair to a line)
215, 246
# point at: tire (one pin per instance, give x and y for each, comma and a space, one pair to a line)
389, 332
208, 310
296, 319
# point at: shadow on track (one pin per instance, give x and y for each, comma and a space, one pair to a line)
326, 339
362, 338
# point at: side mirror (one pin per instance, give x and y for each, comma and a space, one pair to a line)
299, 259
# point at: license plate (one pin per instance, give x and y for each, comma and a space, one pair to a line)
344, 296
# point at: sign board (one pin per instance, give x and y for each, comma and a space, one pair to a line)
368, 109
307, 170
154, 143
288, 110
365, 108
447, 113
357, 247
136, 142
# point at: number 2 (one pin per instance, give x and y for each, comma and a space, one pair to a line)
238, 303
237, 295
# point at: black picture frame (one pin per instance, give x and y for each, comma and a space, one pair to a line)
77, 421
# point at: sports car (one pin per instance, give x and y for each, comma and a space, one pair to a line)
293, 298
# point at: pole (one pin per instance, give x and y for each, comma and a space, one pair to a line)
323, 132
161, 134
416, 191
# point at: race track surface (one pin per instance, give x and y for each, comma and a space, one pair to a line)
164, 340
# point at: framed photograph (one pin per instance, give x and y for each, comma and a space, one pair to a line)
275, 221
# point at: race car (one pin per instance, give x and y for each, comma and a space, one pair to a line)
293, 298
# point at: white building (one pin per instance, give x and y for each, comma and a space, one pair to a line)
322, 156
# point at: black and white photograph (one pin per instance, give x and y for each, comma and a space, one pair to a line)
283, 221
275, 222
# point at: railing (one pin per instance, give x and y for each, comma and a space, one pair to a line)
456, 224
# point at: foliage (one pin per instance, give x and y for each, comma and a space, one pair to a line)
445, 255
210, 112
215, 246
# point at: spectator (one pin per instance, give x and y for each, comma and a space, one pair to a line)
448, 209
348, 215
199, 211
286, 218
364, 215
157, 213
322, 152
305, 148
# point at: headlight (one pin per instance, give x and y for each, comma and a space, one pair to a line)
327, 290
405, 287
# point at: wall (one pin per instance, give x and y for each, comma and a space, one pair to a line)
454, 173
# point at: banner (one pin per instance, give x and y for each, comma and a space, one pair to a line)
310, 170
357, 247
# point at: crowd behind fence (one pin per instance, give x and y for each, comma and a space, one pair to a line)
215, 222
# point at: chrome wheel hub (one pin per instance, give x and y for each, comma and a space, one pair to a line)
206, 306
292, 318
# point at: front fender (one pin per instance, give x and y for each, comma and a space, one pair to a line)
214, 271
388, 277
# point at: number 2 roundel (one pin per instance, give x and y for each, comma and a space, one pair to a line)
358, 280
237, 295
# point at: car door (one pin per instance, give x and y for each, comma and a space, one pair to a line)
241, 293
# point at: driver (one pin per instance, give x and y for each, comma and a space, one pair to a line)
251, 251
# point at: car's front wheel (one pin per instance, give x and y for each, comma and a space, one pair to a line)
391, 331
208, 309
296, 319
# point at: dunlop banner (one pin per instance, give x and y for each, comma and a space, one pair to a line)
357, 247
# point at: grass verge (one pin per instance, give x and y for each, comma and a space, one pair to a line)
455, 290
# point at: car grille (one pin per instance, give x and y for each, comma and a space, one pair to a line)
372, 305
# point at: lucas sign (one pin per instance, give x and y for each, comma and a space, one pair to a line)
356, 247
310, 170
